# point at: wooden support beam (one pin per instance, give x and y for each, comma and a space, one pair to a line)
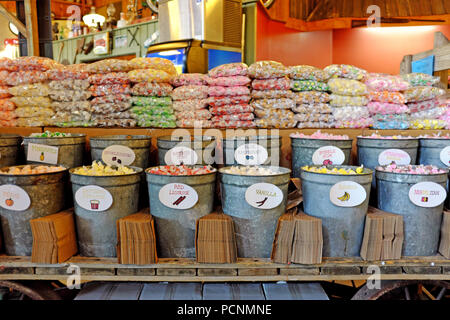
13, 19
32, 27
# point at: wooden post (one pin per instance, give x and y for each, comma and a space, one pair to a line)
405, 66
32, 27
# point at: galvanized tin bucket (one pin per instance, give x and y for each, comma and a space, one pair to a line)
343, 227
70, 149
188, 150
254, 227
97, 230
422, 225
242, 150
9, 149
175, 228
46, 193
304, 149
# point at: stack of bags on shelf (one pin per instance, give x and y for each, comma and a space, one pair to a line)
191, 106
69, 91
349, 96
7, 107
110, 88
28, 78
424, 104
229, 96
387, 103
272, 98
310, 90
151, 92
445, 102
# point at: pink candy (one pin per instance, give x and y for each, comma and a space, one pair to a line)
320, 135
386, 108
377, 136
411, 169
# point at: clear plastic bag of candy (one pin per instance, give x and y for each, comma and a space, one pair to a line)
71, 124
153, 63
348, 101
385, 82
151, 101
4, 92
66, 73
36, 63
109, 78
34, 122
267, 69
151, 89
272, 84
189, 79
234, 117
113, 115
231, 109
190, 104
7, 105
4, 76
309, 85
422, 93
30, 90
229, 100
125, 123
420, 79
354, 124
311, 108
106, 108
311, 124
114, 98
228, 91
109, 65
387, 96
434, 113
22, 77
229, 70
232, 81
69, 116
42, 102
233, 124
271, 94
109, 89
7, 64
146, 123
158, 117
313, 117
69, 84
194, 114
375, 107
423, 105
190, 92
347, 87
274, 123
7, 115
29, 112
304, 72
390, 121
282, 103
143, 111
350, 113
69, 95
280, 114
345, 71
149, 75
428, 124
71, 106
311, 97
193, 123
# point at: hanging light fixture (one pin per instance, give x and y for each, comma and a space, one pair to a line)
92, 19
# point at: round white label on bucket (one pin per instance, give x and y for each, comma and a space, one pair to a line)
398, 156
250, 154
180, 155
264, 195
118, 155
347, 194
445, 156
14, 198
178, 196
427, 194
93, 198
328, 155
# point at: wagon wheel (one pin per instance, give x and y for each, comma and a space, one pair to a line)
35, 290
406, 290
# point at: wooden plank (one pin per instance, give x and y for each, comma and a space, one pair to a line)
386, 270
32, 27
13, 19
300, 271
446, 270
178, 272
97, 271
258, 272
16, 270
423, 270
47, 270
136, 272
216, 272
340, 270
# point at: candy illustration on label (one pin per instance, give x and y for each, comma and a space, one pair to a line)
393, 156
95, 204
347, 194
118, 155
328, 155
42, 157
9, 202
345, 197
427, 194
264, 196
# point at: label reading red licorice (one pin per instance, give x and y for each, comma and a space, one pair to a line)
427, 194
396, 156
328, 155
178, 196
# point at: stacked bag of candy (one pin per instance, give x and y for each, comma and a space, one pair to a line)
191, 101
387, 103
69, 92
229, 96
349, 96
272, 98
424, 104
7, 107
446, 116
311, 98
151, 91
29, 86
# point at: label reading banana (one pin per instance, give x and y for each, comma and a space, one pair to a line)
347, 194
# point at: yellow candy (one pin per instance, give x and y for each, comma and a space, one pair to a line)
98, 169
359, 170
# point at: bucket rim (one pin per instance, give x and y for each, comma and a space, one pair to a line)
313, 139
253, 137
447, 171
191, 137
437, 138
73, 135
137, 170
179, 175
339, 174
289, 171
10, 136
401, 139
121, 137
2, 174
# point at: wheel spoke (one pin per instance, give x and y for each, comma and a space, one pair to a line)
427, 293
407, 295
441, 294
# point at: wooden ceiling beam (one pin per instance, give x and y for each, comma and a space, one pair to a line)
32, 27
13, 19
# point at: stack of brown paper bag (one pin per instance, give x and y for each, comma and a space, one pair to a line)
444, 246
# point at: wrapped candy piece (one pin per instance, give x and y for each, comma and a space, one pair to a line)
354, 124
69, 116
311, 108
228, 91
314, 117
114, 98
423, 105
267, 69
7, 115
311, 97
232, 81
280, 114
71, 106
149, 75
345, 71
282, 103
348, 101
228, 100
201, 114
271, 94
106, 108
29, 112
229, 70
391, 121
7, 105
272, 84
42, 102
233, 124
30, 90
434, 113
234, 117
189, 79
385, 82
190, 92
109, 65
428, 124
66, 73
69, 95
190, 104
347, 87
274, 123
154, 63
70, 84
162, 123
114, 115
304, 72
4, 92
420, 79
422, 93
151, 89
309, 85
231, 109
22, 77
312, 124
116, 123
34, 122
350, 113
109, 78
152, 101
386, 96
146, 111
193, 123
375, 107
109, 89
